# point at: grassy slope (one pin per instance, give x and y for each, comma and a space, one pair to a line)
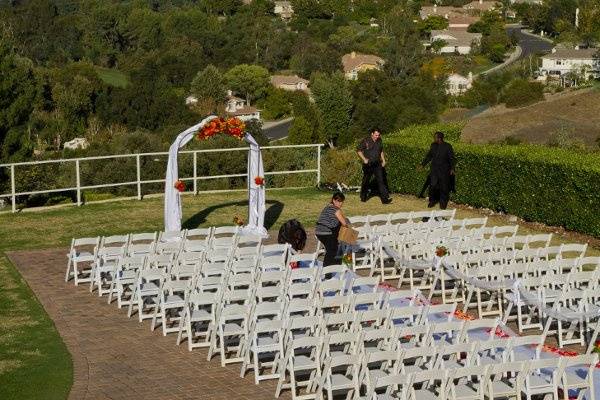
112, 77
26, 365
572, 112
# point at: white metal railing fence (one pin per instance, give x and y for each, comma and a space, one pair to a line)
79, 188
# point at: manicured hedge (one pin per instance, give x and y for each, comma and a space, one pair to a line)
538, 183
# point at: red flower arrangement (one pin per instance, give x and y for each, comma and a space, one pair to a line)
259, 180
294, 265
441, 251
180, 186
238, 220
463, 316
232, 127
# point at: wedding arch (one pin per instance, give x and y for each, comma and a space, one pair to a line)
210, 126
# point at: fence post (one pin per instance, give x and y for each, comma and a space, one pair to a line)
13, 188
139, 176
318, 165
78, 180
195, 173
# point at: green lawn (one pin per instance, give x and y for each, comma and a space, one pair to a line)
113, 77
31, 352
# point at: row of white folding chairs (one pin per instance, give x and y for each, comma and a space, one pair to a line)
409, 217
497, 381
87, 249
372, 362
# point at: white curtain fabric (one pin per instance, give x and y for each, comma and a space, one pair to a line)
256, 194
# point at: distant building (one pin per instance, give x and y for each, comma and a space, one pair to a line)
563, 61
76, 144
284, 9
289, 82
480, 6
457, 84
457, 17
191, 100
354, 63
458, 41
236, 107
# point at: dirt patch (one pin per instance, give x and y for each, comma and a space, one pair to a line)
573, 112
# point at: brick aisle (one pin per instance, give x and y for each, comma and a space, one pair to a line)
118, 358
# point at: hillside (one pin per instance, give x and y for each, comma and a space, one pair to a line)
573, 112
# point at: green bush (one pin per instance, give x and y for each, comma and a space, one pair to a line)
549, 185
341, 165
521, 92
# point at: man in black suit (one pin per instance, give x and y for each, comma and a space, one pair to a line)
370, 151
441, 156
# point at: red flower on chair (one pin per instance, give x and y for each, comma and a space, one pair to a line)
180, 186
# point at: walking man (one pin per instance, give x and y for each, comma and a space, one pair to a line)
370, 151
441, 175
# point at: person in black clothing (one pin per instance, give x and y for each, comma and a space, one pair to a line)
328, 227
370, 151
441, 175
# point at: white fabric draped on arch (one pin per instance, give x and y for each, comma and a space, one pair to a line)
256, 193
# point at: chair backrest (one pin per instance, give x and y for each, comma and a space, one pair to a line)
505, 231
539, 240
199, 233
364, 284
274, 262
308, 259
115, 240
171, 236
364, 301
143, 237
439, 312
479, 329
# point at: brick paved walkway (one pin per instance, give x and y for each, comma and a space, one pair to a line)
115, 357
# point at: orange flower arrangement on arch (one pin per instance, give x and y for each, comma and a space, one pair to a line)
230, 126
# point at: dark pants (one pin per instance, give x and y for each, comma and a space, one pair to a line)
370, 169
439, 193
331, 244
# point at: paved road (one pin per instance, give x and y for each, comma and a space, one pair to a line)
278, 129
530, 44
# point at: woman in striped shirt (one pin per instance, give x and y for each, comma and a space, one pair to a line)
328, 226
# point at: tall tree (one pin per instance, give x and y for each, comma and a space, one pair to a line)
209, 88
18, 90
334, 102
252, 81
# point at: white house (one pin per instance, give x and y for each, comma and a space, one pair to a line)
284, 9
456, 40
77, 143
457, 84
289, 82
236, 107
354, 63
564, 61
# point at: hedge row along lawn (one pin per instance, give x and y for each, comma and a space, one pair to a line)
537, 183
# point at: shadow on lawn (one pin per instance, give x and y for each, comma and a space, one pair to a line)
272, 213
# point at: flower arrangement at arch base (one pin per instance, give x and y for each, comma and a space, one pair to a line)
180, 186
230, 126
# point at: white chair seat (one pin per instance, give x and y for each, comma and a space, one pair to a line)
173, 301
376, 374
503, 387
574, 378
148, 288
466, 390
200, 315
302, 363
231, 329
339, 381
537, 381
425, 395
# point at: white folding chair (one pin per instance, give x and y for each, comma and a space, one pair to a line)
103, 268
171, 301
145, 293
542, 377
231, 333
302, 360
340, 373
265, 349
466, 383
578, 374
432, 385
124, 277
199, 319
80, 258
505, 380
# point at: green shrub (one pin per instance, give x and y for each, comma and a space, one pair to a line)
549, 185
341, 165
521, 92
